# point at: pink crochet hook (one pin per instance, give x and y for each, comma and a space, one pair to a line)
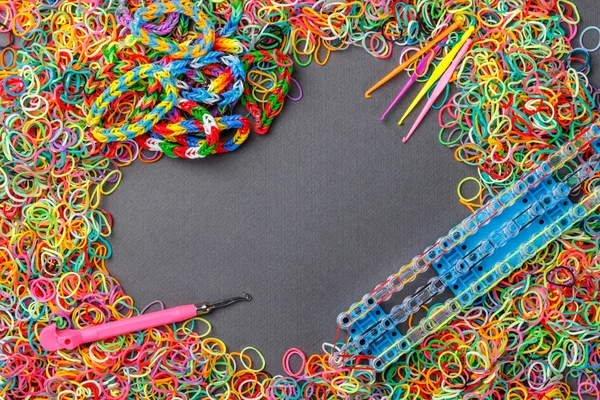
51, 339
419, 71
441, 85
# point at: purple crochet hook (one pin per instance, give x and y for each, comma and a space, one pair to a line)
420, 70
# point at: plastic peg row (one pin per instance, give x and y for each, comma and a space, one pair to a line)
469, 252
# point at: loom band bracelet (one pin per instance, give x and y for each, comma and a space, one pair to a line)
209, 124
239, 137
282, 60
188, 49
205, 96
224, 78
204, 122
228, 45
235, 64
264, 116
123, 96
211, 57
169, 130
123, 84
235, 16
170, 21
212, 94
127, 52
192, 127
262, 121
199, 149
186, 146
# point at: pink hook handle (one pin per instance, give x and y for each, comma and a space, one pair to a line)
52, 340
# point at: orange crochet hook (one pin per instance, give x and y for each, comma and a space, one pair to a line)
414, 57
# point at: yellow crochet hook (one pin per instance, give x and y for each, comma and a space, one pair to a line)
438, 72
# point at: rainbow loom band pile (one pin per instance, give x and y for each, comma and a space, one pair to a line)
87, 87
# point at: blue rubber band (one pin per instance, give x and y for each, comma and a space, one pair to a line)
586, 30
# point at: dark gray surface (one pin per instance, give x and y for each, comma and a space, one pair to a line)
307, 218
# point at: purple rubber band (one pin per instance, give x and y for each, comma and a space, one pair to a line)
299, 88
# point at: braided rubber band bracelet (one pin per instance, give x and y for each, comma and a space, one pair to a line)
117, 88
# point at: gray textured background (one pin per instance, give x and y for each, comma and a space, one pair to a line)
307, 218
